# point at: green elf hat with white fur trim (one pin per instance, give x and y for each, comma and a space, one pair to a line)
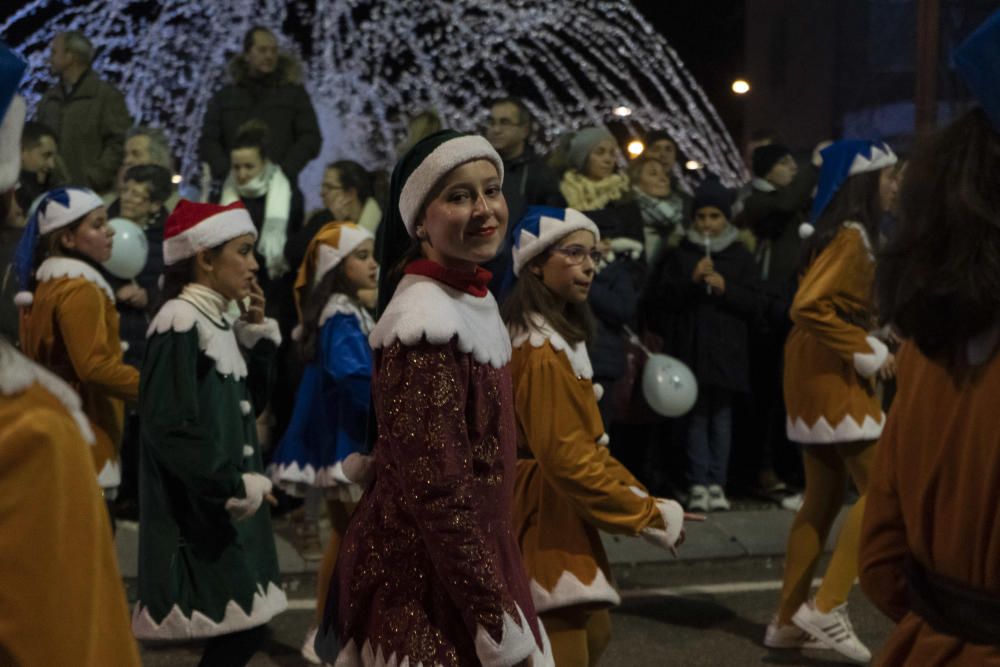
542, 227
413, 179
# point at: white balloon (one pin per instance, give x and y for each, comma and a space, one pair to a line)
668, 385
129, 249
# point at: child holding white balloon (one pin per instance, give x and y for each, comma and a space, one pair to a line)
705, 299
69, 323
568, 485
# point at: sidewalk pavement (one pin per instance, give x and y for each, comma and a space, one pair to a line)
735, 534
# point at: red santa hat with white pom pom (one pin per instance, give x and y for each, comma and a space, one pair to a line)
193, 227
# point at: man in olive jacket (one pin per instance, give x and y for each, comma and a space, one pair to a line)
88, 115
266, 86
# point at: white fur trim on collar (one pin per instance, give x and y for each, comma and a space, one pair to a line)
17, 373
444, 158
217, 343
344, 305
267, 603
209, 233
424, 308
540, 331
864, 236
69, 267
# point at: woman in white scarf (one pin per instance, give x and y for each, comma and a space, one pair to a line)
273, 203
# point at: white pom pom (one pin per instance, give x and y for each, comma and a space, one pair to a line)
297, 333
806, 230
24, 299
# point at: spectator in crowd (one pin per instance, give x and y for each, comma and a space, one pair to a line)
39, 153
528, 181
424, 124
664, 209
266, 86
12, 110
780, 194
145, 145
11, 227
87, 114
706, 301
592, 180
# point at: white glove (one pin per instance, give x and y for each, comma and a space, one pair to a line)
257, 486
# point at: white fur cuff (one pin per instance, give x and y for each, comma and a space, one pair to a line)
516, 643
256, 486
249, 335
673, 517
867, 364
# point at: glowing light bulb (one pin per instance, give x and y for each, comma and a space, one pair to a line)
741, 86
692, 165
635, 148
176, 179
622, 111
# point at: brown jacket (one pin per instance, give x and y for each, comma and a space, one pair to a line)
90, 124
933, 493
830, 359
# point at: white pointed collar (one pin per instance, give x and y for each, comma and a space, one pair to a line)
70, 267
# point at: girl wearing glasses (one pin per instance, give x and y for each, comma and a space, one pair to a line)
568, 484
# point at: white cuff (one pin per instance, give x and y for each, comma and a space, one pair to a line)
249, 335
256, 486
673, 518
867, 364
516, 643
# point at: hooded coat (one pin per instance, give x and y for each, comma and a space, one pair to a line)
278, 100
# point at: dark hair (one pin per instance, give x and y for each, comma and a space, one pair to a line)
50, 245
176, 276
659, 135
572, 321
857, 200
154, 176
354, 177
524, 115
938, 279
334, 282
253, 134
33, 132
249, 35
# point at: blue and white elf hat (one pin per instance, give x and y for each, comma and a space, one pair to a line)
12, 111
56, 209
977, 61
841, 160
541, 227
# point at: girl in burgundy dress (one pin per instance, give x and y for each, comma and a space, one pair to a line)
429, 571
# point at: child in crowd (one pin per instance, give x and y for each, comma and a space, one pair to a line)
429, 571
706, 300
320, 453
207, 561
69, 323
832, 363
568, 484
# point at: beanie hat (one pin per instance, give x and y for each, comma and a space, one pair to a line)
433, 165
542, 227
56, 209
841, 160
12, 110
413, 179
713, 193
193, 227
582, 143
765, 157
977, 61
332, 243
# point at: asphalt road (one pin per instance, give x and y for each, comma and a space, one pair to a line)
709, 613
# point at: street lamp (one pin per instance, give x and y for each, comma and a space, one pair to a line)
635, 148
692, 165
741, 86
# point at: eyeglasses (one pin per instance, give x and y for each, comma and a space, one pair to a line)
502, 123
324, 188
575, 254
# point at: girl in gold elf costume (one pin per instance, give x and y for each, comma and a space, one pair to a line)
70, 324
568, 484
831, 365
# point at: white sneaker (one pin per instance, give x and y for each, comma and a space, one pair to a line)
789, 636
308, 651
717, 501
834, 630
698, 498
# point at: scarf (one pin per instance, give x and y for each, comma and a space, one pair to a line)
272, 184
665, 216
716, 243
470, 283
584, 194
